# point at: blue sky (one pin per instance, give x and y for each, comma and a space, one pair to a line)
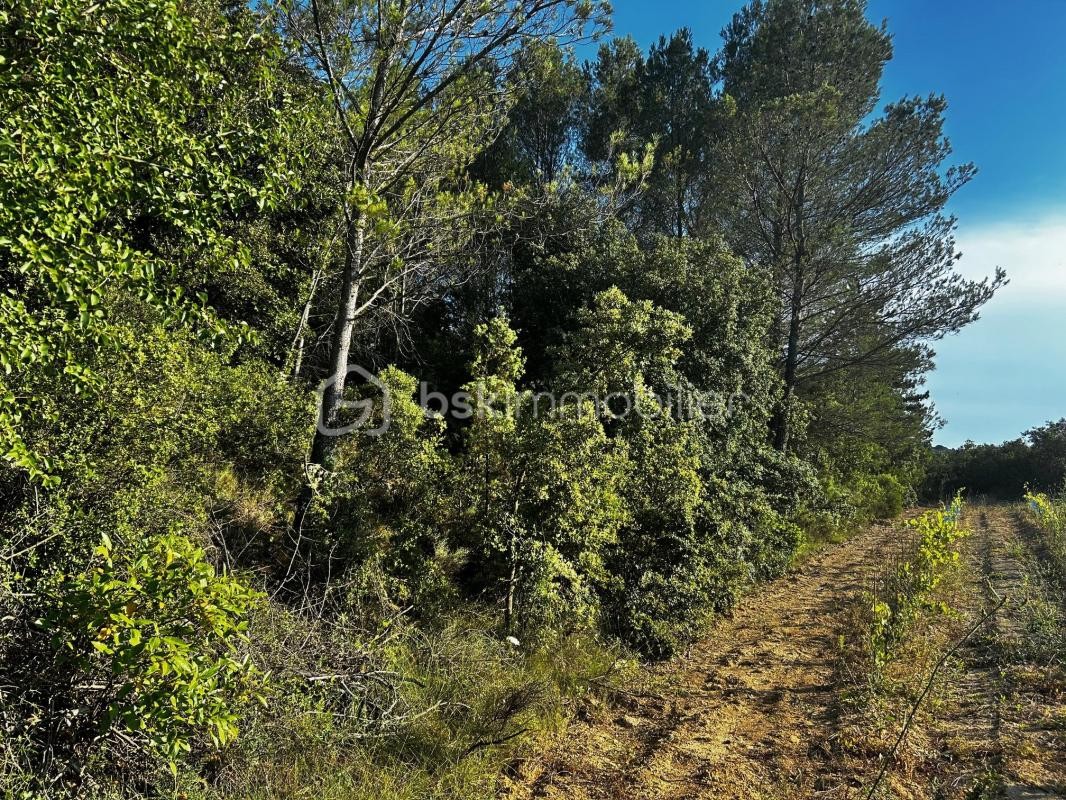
1002, 67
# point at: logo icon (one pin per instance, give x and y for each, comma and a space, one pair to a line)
365, 406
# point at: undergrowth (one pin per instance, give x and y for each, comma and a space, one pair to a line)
1048, 513
464, 704
895, 633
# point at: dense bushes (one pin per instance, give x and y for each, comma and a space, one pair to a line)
201, 225
558, 508
123, 636
129, 124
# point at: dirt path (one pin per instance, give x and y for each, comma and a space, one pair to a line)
1002, 724
744, 715
970, 725
751, 712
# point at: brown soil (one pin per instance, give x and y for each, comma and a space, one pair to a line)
1004, 722
742, 715
752, 711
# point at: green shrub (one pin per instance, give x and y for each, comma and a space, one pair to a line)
380, 514
538, 498
840, 507
909, 587
156, 624
880, 496
829, 515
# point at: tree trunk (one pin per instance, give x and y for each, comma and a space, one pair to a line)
783, 418
296, 351
324, 444
508, 609
680, 208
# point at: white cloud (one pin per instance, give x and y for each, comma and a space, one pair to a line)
1032, 251
1007, 372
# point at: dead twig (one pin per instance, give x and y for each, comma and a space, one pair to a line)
483, 743
928, 686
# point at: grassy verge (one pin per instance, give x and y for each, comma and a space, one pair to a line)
434, 714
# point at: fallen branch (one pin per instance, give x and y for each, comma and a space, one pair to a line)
929, 685
483, 743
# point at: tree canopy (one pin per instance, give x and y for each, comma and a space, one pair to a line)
341, 338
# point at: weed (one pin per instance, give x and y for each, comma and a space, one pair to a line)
910, 586
1048, 514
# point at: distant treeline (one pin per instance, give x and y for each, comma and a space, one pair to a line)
1036, 460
